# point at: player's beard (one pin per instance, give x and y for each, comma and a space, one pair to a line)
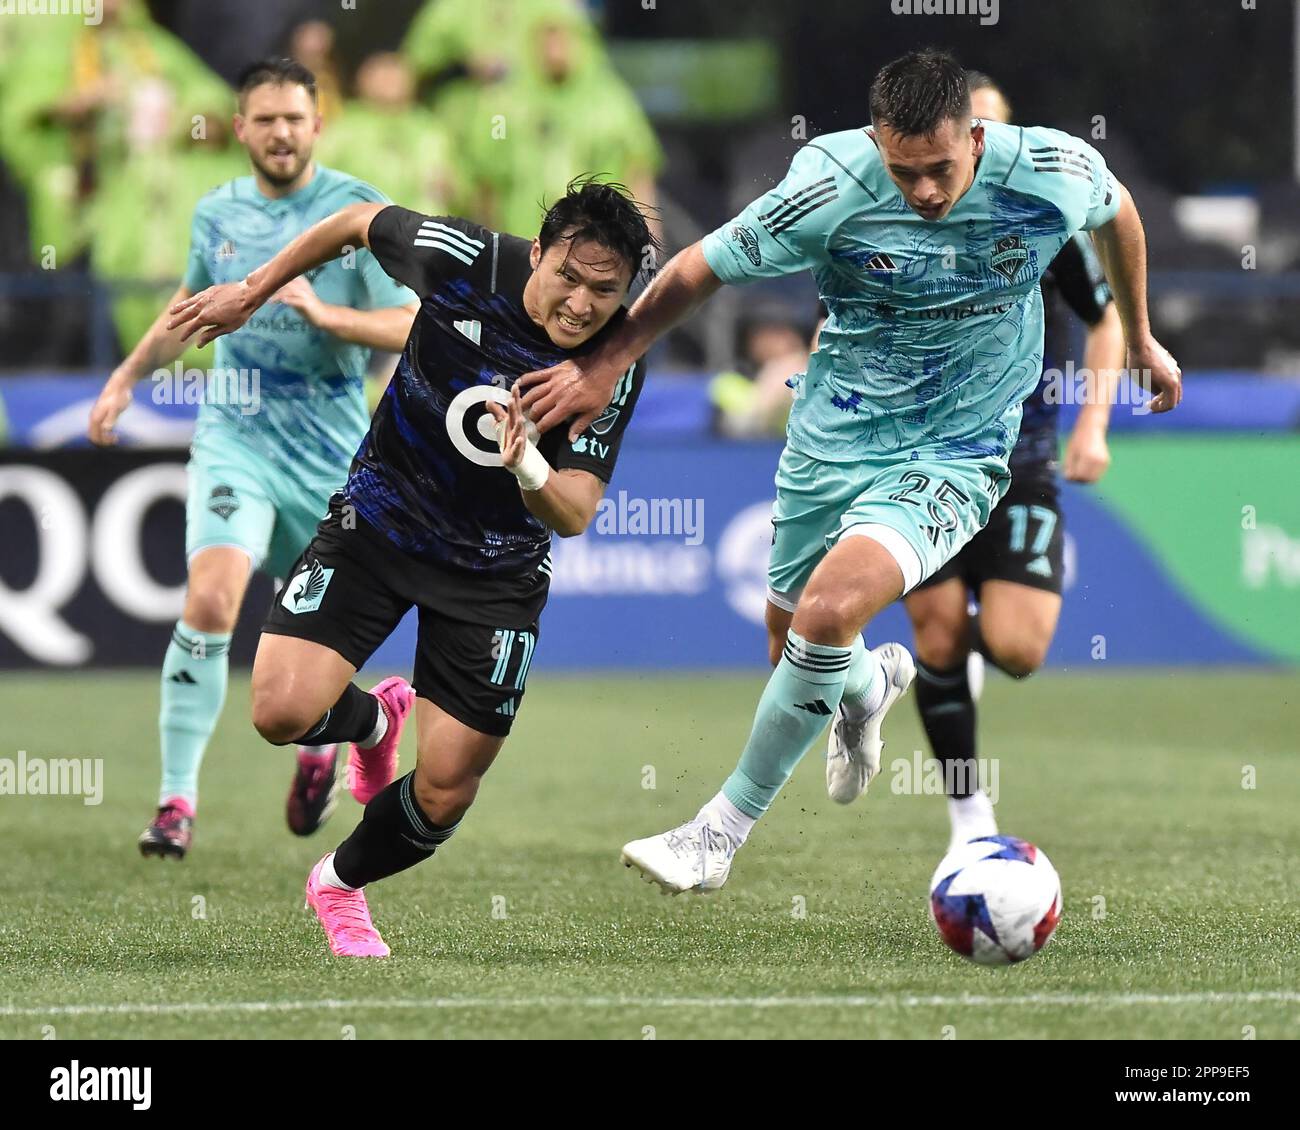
280, 179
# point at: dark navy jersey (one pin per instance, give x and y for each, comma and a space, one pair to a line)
429, 475
1074, 280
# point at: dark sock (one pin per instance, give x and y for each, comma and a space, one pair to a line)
392, 836
350, 719
948, 715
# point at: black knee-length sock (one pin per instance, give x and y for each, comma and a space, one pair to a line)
392, 836
948, 715
351, 719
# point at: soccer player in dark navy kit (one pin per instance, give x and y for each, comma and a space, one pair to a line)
1015, 565
449, 508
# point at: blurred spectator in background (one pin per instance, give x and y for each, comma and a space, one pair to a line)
562, 112
311, 43
78, 107
754, 399
113, 131
456, 47
384, 137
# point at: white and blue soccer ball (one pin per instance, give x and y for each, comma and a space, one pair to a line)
995, 900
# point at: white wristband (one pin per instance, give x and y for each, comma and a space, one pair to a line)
533, 470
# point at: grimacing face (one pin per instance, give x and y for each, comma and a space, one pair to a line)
575, 289
278, 125
931, 172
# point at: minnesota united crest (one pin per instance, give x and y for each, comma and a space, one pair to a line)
307, 589
1009, 255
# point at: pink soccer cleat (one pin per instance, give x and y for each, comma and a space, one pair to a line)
345, 918
372, 770
171, 832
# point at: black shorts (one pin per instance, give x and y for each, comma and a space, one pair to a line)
1024, 541
477, 633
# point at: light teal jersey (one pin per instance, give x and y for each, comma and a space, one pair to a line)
306, 414
935, 329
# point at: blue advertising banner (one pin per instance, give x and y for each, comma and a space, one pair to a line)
673, 574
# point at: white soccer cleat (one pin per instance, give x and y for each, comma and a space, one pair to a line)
695, 856
853, 752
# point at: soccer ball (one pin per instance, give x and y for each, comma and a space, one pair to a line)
995, 900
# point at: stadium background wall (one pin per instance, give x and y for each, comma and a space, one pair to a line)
1188, 553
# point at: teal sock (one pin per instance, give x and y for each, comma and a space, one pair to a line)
862, 690
193, 692
800, 698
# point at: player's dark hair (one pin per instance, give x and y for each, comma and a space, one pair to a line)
278, 72
602, 212
978, 80
917, 93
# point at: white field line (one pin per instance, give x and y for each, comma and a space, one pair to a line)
880, 1000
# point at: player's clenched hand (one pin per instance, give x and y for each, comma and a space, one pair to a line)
511, 429
218, 310
573, 388
1087, 455
1155, 369
112, 402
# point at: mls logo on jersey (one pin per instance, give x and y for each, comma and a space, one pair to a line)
222, 502
305, 591
1009, 255
606, 420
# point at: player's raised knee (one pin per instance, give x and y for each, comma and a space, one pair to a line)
211, 609
1018, 658
827, 616
940, 645
279, 720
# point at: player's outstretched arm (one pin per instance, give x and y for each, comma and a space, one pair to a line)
1122, 245
159, 347
223, 309
565, 500
582, 387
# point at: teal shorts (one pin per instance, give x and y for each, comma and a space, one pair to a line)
238, 498
922, 510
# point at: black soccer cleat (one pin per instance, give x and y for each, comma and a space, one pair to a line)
314, 792
170, 834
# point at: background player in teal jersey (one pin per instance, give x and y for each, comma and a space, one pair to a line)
284, 414
927, 234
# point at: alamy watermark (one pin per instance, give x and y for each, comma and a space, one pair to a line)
90, 11
1081, 385
239, 388
987, 10
653, 517
53, 776
919, 775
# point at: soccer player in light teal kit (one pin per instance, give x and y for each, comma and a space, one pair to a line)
927, 234
273, 443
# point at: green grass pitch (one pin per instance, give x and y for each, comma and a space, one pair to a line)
1181, 910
